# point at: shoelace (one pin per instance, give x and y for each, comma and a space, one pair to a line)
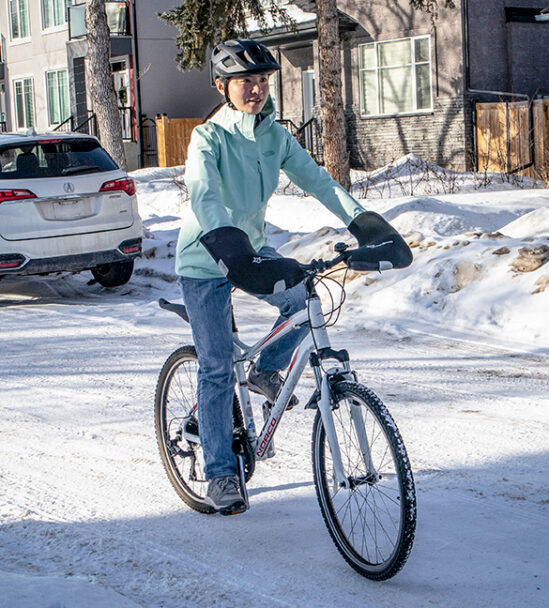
226, 482
275, 379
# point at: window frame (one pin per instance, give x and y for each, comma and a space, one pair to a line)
56, 70
19, 38
378, 69
22, 79
59, 27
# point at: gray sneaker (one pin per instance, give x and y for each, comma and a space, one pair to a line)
224, 495
268, 384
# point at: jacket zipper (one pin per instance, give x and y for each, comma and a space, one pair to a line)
261, 179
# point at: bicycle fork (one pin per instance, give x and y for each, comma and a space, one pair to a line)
325, 404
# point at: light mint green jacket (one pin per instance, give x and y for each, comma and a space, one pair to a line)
231, 172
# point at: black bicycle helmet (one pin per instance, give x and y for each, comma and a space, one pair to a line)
239, 57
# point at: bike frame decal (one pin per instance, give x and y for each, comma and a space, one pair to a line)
279, 407
275, 331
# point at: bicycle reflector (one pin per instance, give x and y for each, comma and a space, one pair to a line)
124, 183
15, 195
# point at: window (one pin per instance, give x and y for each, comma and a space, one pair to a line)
57, 86
19, 18
54, 12
55, 158
395, 76
117, 18
24, 103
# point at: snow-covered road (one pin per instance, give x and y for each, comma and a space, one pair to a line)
89, 518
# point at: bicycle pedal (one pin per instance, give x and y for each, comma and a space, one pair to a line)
235, 509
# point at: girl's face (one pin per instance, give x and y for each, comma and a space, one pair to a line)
248, 93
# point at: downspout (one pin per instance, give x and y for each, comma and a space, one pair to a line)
279, 83
135, 50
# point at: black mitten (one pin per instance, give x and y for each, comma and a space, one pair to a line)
381, 246
230, 247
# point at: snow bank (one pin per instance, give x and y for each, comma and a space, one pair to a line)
479, 262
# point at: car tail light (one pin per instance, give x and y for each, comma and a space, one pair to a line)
11, 260
130, 246
15, 195
124, 183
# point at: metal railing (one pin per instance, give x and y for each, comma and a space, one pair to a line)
90, 127
147, 127
307, 134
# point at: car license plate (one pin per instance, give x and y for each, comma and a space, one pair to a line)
72, 209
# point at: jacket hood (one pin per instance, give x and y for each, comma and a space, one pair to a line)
235, 120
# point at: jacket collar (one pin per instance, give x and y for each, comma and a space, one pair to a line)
235, 121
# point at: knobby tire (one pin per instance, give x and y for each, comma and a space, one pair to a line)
373, 522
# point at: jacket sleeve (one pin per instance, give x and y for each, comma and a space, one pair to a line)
203, 181
303, 171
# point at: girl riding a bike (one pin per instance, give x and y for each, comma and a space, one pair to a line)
233, 167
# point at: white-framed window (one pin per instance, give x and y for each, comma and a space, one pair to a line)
54, 13
19, 19
57, 94
395, 76
23, 91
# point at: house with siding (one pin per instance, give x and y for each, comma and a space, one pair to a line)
410, 85
43, 79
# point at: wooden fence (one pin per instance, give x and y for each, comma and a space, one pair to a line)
513, 137
172, 139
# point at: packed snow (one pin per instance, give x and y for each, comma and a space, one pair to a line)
456, 345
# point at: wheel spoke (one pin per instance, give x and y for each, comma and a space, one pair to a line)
373, 520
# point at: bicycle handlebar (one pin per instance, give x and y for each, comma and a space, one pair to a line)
382, 256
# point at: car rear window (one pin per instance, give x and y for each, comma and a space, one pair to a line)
53, 158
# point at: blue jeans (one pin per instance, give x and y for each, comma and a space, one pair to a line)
208, 303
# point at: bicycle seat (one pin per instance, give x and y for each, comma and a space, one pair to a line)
179, 309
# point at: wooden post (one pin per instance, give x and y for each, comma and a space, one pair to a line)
541, 138
161, 136
172, 139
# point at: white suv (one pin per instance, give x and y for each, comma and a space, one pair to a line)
65, 205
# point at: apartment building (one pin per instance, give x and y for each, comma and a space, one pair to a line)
43, 78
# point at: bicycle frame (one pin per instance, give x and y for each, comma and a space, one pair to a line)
316, 341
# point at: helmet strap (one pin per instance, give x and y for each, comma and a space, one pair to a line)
226, 89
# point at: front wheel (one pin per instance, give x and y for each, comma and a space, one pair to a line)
371, 519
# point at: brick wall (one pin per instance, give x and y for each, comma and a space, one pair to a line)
440, 137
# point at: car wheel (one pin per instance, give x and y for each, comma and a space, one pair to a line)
113, 275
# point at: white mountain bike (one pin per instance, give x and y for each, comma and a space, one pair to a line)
362, 475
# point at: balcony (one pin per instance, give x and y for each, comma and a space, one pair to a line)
117, 19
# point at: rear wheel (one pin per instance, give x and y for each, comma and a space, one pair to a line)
113, 275
177, 431
372, 521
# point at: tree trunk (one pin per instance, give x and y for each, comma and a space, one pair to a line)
100, 81
334, 139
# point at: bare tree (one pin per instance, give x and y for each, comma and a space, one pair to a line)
100, 81
332, 115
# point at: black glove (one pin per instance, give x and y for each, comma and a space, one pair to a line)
230, 247
381, 246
